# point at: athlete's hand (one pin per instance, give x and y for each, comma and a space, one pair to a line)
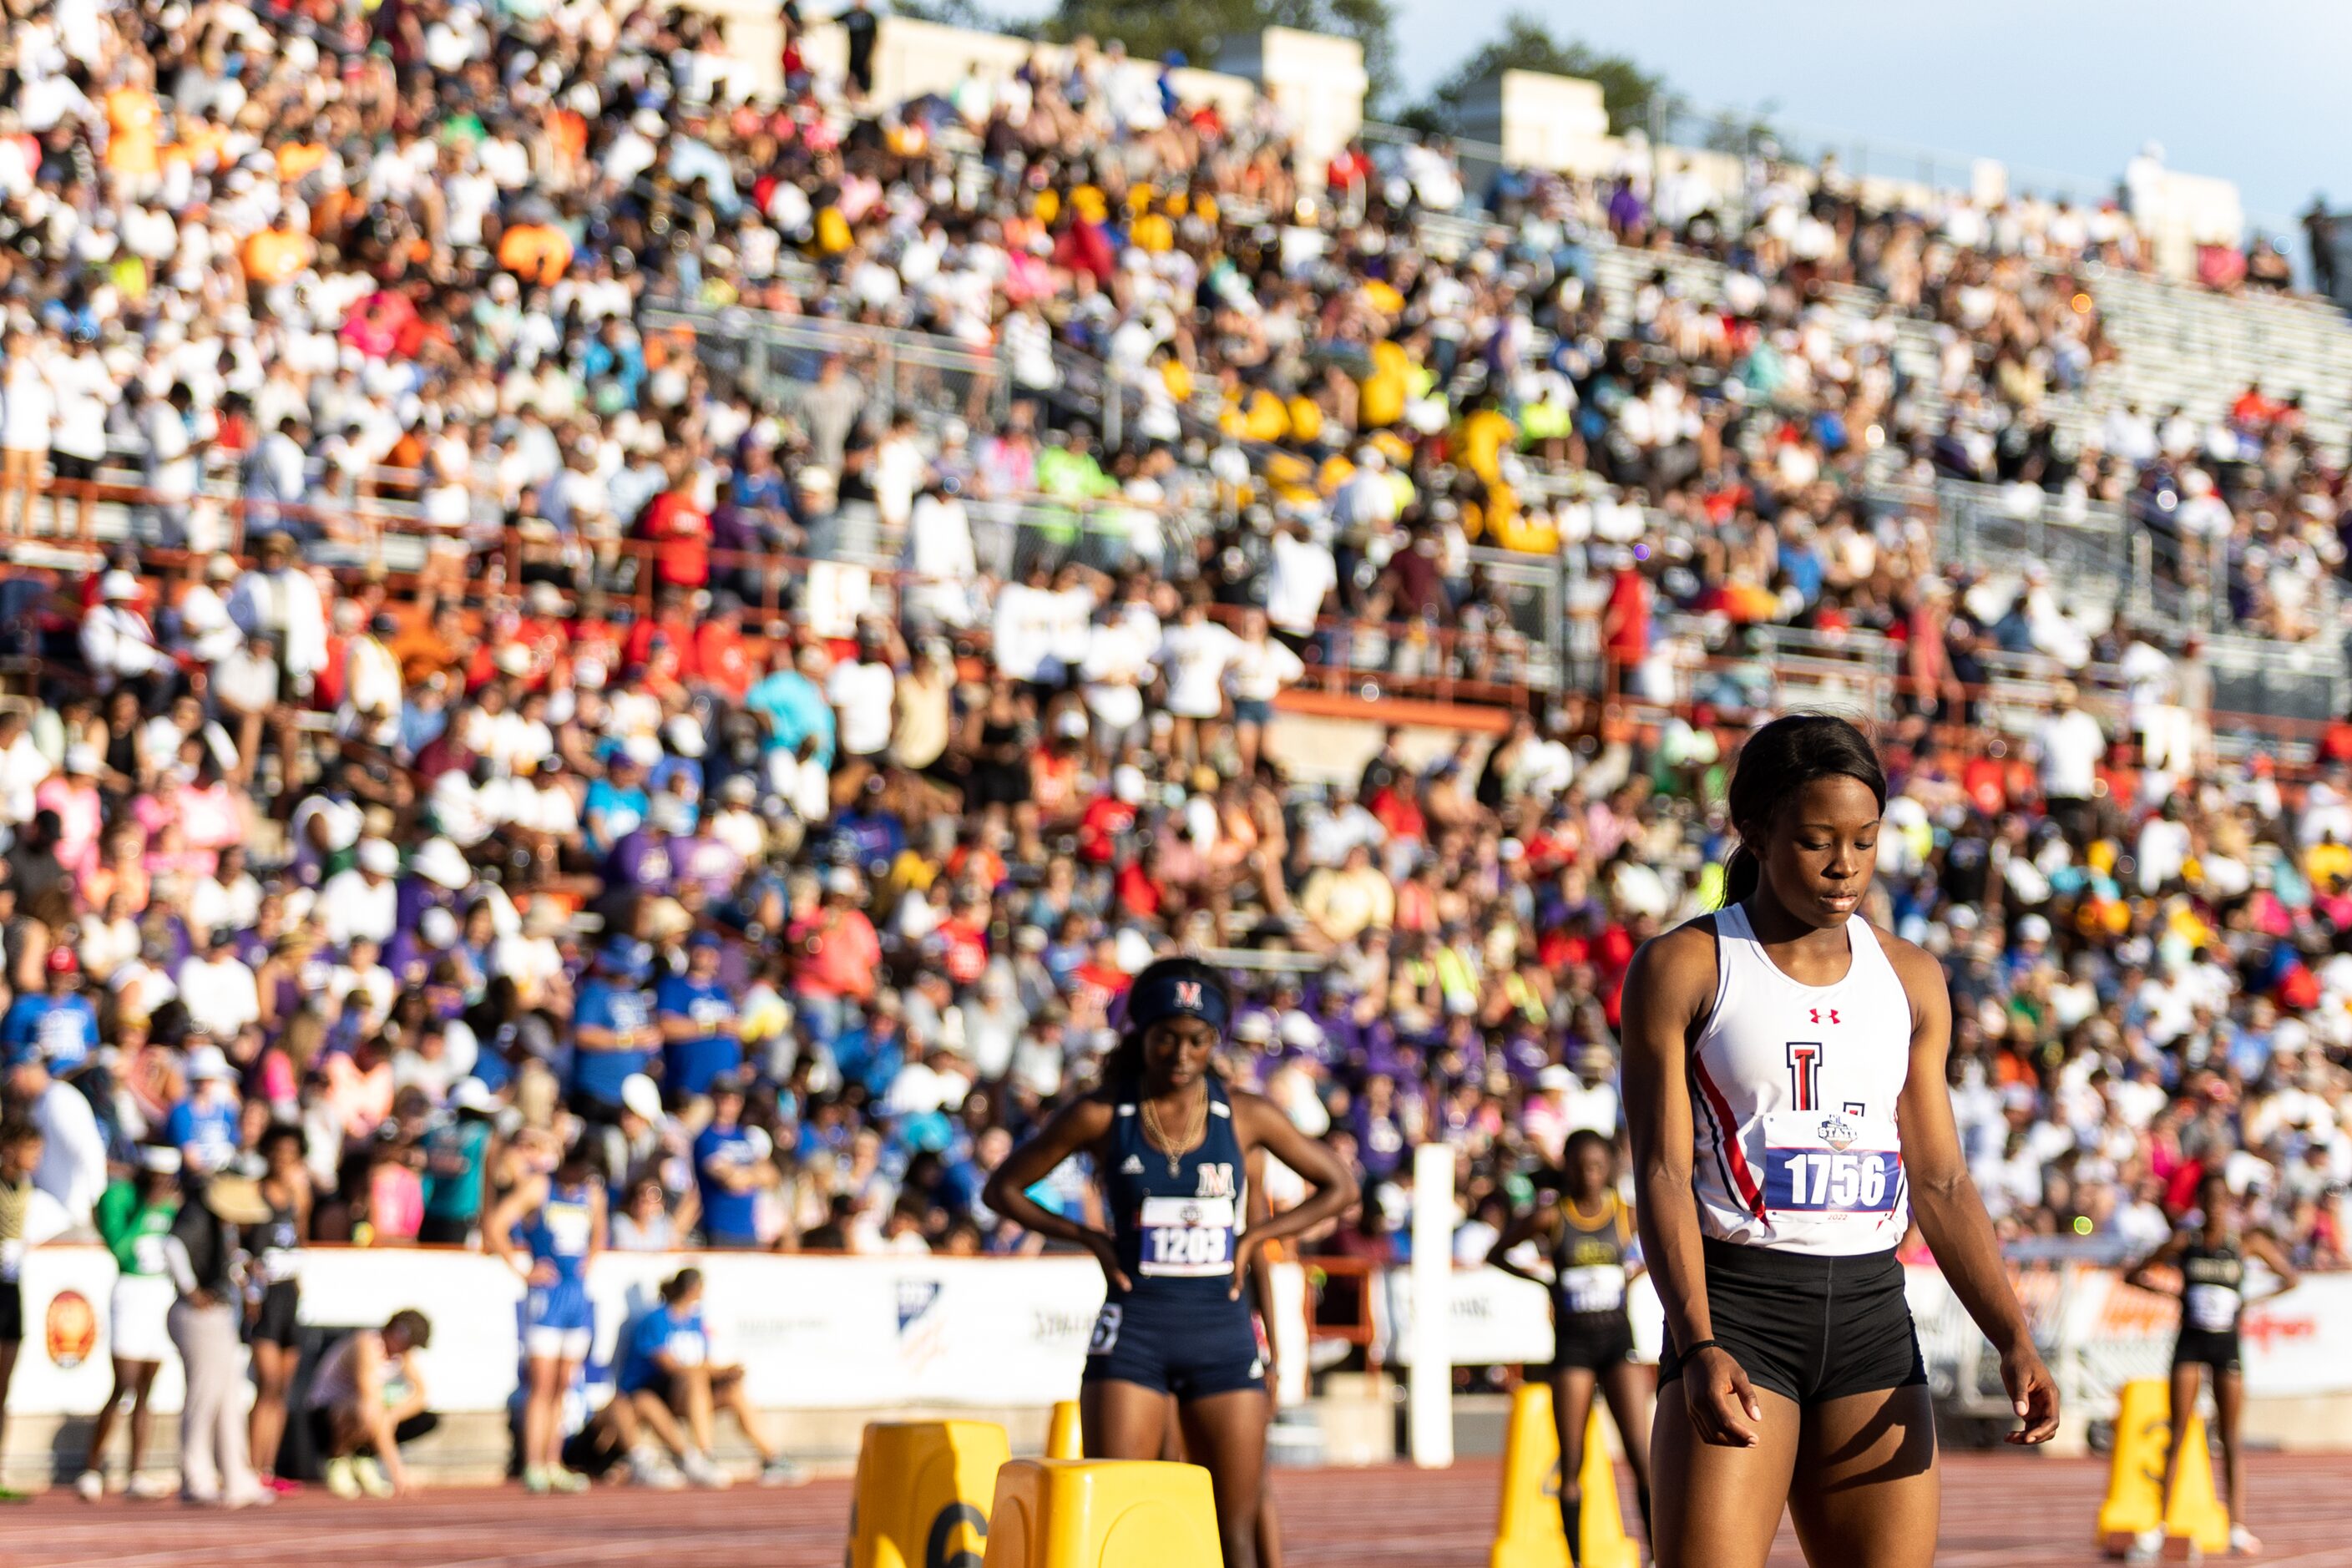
1245, 1250
1106, 1253
1724, 1409
2032, 1393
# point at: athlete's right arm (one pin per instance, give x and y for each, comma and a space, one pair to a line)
497, 1230
1537, 1221
1667, 990
1078, 1126
2137, 1275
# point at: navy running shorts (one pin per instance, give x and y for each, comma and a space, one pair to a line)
1190, 1348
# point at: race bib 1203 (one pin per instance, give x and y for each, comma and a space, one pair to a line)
1188, 1237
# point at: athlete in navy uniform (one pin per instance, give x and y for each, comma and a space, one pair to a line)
1171, 1146
550, 1228
1785, 1089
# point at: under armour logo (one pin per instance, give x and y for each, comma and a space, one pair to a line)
1188, 994
1817, 1015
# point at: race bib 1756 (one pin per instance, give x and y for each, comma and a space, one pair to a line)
1827, 1163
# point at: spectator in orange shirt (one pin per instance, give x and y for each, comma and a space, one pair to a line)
277, 253
535, 252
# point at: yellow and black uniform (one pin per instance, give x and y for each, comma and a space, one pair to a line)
1591, 1328
2212, 1298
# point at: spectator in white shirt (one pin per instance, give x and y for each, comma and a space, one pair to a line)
23, 766
278, 599
26, 408
941, 556
73, 1153
1193, 657
117, 642
361, 902
218, 988
863, 691
2070, 744
1302, 577
1261, 669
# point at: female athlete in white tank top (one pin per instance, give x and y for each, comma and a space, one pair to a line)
1785, 1091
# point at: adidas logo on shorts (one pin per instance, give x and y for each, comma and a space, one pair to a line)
1134, 1166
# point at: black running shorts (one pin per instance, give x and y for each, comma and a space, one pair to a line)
2220, 1350
1810, 1329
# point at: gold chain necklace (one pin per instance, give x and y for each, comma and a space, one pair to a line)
1175, 1151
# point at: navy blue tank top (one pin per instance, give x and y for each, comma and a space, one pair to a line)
1175, 1220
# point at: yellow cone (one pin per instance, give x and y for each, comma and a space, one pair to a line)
923, 1492
2136, 1475
1063, 1440
1103, 1513
1528, 1534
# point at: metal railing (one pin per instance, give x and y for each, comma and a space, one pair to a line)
773, 356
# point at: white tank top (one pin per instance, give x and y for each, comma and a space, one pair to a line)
1793, 1090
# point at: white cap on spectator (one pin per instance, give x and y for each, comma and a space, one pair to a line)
685, 736
438, 927
206, 1063
2033, 928
378, 855
1254, 1029
159, 1158
639, 1095
473, 1094
442, 863
116, 585
1556, 1080
82, 760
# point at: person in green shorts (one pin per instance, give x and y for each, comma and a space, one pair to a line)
133, 1217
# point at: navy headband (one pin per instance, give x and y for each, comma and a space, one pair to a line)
1178, 996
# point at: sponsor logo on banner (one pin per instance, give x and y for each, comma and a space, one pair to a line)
69, 1330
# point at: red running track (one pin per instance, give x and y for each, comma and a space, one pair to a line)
1999, 1512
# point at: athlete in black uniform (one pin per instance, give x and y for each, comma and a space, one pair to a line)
2211, 1260
1587, 1236
1171, 1148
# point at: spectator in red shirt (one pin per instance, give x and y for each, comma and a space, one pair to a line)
678, 530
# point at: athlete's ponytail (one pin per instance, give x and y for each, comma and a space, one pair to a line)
1775, 763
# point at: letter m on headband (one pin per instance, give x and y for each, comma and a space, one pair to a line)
1188, 995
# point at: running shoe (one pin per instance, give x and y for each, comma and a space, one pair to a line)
567, 1481
149, 1488
782, 1472
342, 1478
648, 1468
280, 1485
91, 1485
534, 1481
2242, 1542
10, 1494
701, 1471
373, 1480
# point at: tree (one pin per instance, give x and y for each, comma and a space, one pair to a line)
1526, 45
1199, 29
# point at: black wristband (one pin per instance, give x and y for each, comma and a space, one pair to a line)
1697, 1345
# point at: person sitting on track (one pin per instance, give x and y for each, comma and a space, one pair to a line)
1171, 1145
1785, 1088
1587, 1236
667, 1374
2210, 1258
366, 1399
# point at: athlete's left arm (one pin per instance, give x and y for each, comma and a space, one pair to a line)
1944, 1199
1262, 1126
2259, 1244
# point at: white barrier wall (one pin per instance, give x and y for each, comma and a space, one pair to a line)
827, 1333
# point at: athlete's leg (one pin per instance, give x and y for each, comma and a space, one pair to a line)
142, 1420
1225, 1434
2228, 1407
693, 1386
728, 1394
101, 1426
2186, 1377
1866, 1492
540, 1411
1571, 1407
273, 1369
656, 1414
1122, 1420
1715, 1507
1171, 1445
1629, 1386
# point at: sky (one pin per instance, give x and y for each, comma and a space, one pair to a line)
2044, 85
